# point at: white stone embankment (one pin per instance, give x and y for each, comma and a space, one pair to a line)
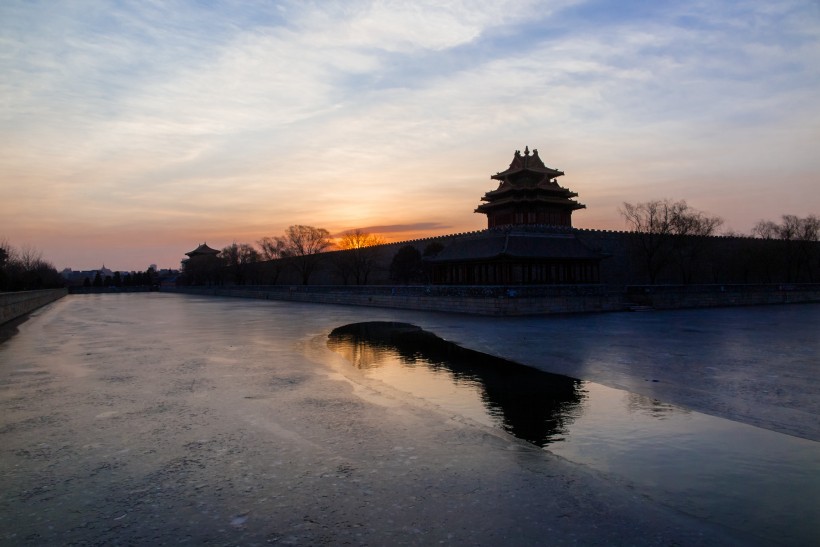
16, 304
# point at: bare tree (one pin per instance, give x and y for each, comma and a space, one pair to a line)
5, 260
29, 257
357, 260
798, 249
793, 228
303, 244
5, 251
692, 231
766, 229
651, 222
273, 249
240, 259
667, 231
25, 269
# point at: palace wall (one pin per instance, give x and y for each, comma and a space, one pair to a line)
703, 260
680, 260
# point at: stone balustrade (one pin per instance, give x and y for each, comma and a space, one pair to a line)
16, 304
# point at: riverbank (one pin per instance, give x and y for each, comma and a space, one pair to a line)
510, 301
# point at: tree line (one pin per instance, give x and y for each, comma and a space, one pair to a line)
25, 269
300, 249
666, 241
672, 240
148, 278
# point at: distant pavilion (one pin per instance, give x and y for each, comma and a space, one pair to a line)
202, 265
529, 237
202, 250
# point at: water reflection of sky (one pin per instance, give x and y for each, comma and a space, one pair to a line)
723, 471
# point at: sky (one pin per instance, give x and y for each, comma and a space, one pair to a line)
131, 132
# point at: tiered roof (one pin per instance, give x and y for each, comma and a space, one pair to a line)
202, 250
526, 162
528, 185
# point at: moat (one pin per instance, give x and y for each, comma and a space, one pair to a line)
165, 418
721, 470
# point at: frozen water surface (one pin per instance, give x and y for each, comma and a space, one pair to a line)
724, 471
156, 419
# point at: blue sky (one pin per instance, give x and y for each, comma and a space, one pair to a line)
133, 131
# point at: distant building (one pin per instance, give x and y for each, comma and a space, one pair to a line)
202, 267
529, 239
202, 250
74, 278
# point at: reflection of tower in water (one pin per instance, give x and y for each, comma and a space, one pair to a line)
531, 404
360, 352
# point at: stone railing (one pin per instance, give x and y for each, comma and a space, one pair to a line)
15, 304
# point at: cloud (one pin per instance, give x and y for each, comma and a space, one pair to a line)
398, 228
254, 116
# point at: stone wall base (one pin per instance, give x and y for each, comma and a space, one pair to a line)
15, 304
518, 301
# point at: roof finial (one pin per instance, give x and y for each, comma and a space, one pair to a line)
526, 150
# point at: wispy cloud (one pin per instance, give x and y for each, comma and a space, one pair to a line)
249, 116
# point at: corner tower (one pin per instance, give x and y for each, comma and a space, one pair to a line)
528, 194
